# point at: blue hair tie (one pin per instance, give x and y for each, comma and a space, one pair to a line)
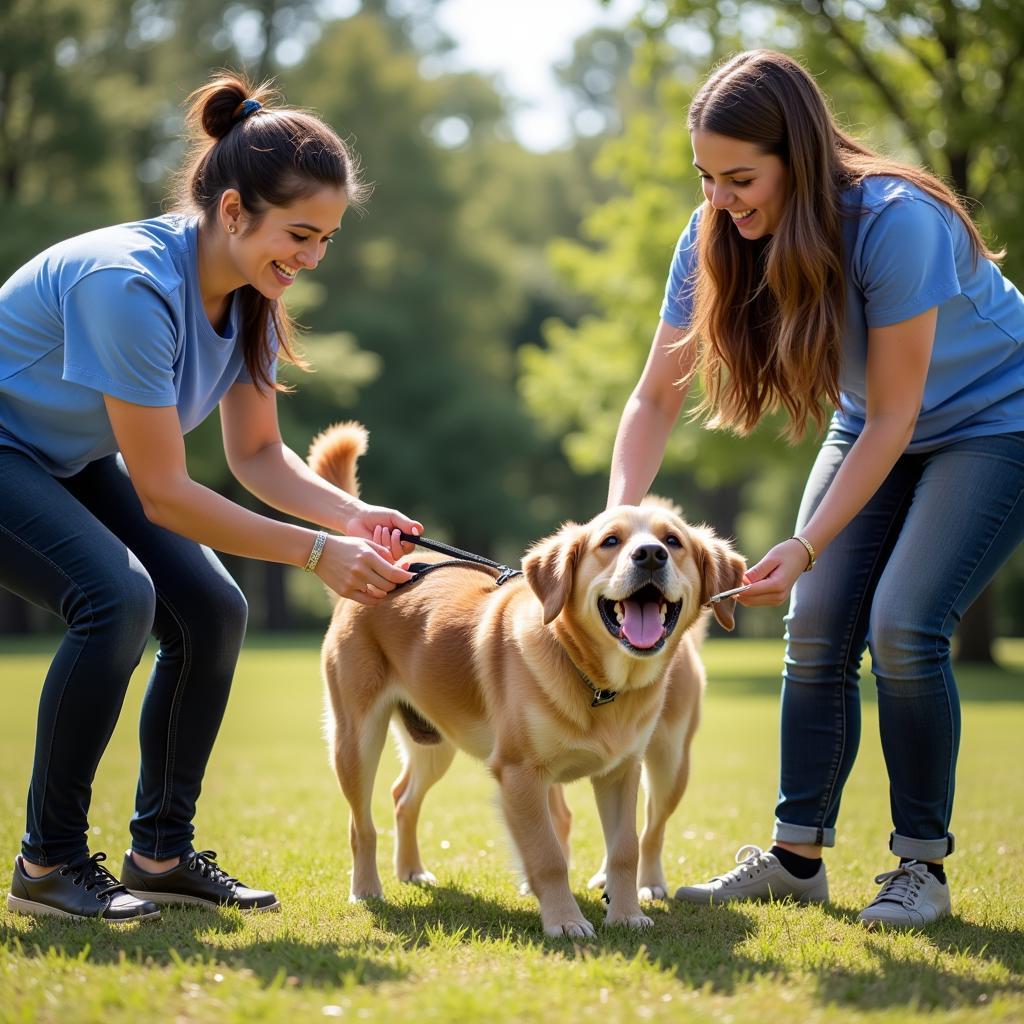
248, 107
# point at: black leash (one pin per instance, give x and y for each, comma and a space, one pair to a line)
505, 572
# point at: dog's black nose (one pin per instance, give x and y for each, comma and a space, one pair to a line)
649, 556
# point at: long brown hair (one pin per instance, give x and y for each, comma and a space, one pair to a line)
273, 155
768, 315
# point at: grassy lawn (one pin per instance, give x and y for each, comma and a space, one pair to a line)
471, 948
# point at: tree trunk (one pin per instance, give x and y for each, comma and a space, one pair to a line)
976, 633
276, 614
266, 60
723, 507
14, 614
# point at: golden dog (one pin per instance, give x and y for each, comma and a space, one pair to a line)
511, 675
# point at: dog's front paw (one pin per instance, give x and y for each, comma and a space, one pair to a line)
599, 880
581, 929
636, 922
653, 891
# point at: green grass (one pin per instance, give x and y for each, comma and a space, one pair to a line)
472, 949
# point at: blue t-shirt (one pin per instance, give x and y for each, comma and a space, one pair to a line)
903, 253
116, 312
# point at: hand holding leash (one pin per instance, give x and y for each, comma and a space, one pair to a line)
371, 522
359, 569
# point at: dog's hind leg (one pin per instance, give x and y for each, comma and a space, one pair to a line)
666, 772
422, 766
358, 743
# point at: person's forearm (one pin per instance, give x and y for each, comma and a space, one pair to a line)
869, 462
639, 447
202, 515
277, 476
649, 416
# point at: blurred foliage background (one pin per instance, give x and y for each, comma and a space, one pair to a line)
488, 314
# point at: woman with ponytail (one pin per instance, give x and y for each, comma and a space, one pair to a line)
818, 273
112, 345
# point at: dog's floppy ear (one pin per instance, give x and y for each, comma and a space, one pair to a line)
720, 569
550, 565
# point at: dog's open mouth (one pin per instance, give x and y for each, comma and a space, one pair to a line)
641, 622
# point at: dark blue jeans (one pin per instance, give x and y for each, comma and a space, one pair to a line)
83, 549
897, 580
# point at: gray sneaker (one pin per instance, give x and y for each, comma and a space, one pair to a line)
760, 876
910, 897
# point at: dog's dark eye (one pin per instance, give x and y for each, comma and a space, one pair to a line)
673, 541
610, 541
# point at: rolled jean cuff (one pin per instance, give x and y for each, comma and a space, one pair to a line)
804, 834
56, 854
921, 849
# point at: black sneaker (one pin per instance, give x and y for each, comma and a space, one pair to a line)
197, 879
81, 888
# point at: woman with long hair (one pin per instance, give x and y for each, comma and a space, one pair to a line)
818, 273
112, 345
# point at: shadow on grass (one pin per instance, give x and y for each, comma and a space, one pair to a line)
702, 947
892, 978
189, 935
1004, 946
921, 981
455, 915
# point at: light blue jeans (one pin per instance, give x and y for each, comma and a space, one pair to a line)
896, 580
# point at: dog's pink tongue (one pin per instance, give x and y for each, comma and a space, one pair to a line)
641, 623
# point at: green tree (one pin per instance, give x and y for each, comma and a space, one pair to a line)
411, 288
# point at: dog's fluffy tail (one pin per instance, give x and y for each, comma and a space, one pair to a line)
334, 453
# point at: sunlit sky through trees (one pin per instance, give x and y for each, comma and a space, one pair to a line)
518, 41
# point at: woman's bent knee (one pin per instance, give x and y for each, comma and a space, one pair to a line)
118, 606
214, 617
906, 650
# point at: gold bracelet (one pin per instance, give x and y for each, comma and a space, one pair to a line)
314, 555
810, 550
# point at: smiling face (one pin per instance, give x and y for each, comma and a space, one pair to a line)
643, 574
742, 180
625, 586
269, 253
